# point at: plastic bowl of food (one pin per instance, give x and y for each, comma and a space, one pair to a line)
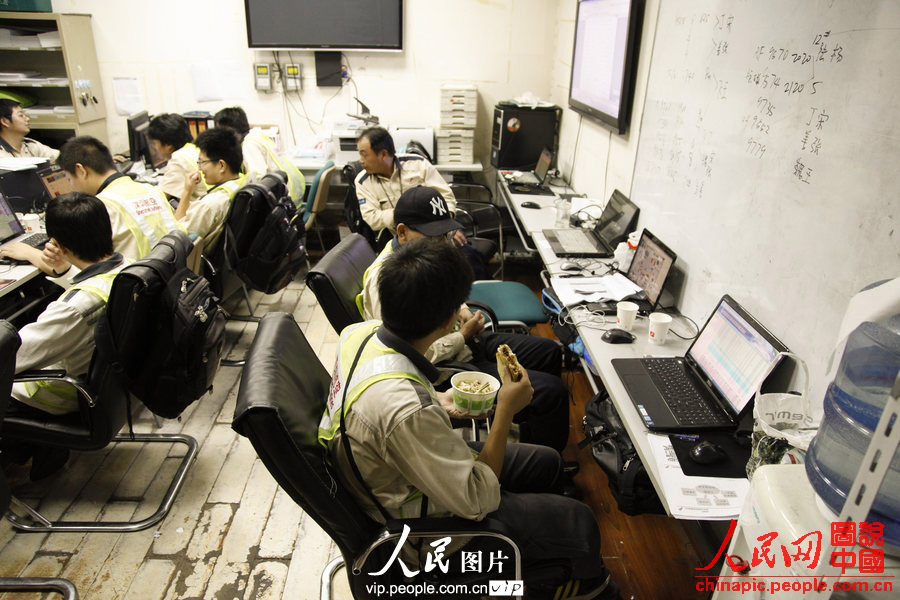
474, 392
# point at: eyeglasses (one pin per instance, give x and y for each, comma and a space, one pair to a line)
200, 162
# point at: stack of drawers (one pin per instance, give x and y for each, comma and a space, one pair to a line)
459, 111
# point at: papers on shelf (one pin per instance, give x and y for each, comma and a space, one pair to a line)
703, 498
50, 39
17, 75
574, 290
23, 163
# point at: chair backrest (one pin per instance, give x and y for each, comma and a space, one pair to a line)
318, 193
280, 402
338, 277
352, 213
9, 345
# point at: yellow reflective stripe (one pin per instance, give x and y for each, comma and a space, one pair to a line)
90, 285
152, 227
382, 256
62, 396
295, 175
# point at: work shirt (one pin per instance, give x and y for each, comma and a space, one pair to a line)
30, 147
62, 337
401, 437
449, 347
139, 214
206, 216
260, 158
378, 195
182, 162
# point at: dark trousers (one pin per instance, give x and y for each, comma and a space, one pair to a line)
547, 527
546, 420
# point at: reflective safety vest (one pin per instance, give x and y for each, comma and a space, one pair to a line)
58, 397
376, 363
296, 183
143, 210
382, 256
191, 154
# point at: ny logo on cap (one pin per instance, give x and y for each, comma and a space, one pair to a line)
437, 207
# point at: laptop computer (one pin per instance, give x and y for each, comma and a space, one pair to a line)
55, 181
713, 385
615, 223
534, 182
11, 229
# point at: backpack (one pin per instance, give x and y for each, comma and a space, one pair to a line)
264, 240
163, 330
614, 451
352, 214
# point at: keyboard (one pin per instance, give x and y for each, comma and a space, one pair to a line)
574, 240
36, 240
534, 190
680, 393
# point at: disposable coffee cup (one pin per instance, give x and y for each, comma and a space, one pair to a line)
659, 327
625, 314
31, 223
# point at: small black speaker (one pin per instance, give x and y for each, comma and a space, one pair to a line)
328, 69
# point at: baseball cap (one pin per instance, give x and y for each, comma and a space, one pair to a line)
424, 209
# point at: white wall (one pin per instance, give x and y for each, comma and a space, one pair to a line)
505, 47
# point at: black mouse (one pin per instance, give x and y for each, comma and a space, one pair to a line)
617, 336
707, 453
530, 204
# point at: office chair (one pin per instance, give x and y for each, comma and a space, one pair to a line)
482, 221
9, 344
231, 266
104, 409
280, 401
515, 307
338, 277
317, 197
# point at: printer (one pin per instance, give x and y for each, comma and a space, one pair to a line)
404, 135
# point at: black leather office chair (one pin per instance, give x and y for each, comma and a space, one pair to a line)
337, 278
280, 402
231, 266
9, 344
103, 412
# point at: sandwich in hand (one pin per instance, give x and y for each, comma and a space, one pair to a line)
506, 358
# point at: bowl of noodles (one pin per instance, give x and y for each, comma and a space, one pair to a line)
474, 392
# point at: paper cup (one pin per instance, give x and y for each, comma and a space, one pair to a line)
31, 223
659, 327
625, 314
474, 403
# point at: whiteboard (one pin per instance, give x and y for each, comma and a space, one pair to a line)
768, 158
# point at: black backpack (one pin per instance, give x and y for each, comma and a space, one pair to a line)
264, 240
163, 330
614, 452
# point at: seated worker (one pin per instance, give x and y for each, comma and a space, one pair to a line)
14, 126
422, 212
220, 166
387, 175
260, 156
139, 213
399, 435
62, 337
171, 137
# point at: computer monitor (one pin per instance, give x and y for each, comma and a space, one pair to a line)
139, 147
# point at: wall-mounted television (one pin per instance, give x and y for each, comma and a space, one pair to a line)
604, 60
370, 25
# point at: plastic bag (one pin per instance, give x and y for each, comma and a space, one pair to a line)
783, 424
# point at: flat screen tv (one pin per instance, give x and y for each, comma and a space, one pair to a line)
604, 60
325, 24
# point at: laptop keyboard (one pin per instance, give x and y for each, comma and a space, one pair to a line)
574, 240
36, 240
682, 398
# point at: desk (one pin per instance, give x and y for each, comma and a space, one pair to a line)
22, 300
528, 221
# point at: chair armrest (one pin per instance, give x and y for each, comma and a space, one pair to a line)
54, 375
436, 527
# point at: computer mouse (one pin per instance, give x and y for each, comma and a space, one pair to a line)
617, 336
707, 453
570, 266
530, 204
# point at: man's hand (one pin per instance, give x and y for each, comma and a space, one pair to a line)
458, 238
446, 401
19, 251
473, 326
54, 257
514, 395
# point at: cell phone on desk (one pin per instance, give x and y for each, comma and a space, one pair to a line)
6, 282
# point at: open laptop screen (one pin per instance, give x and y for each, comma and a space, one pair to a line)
543, 165
616, 219
734, 352
650, 266
9, 224
55, 181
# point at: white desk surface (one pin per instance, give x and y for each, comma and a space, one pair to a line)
602, 353
528, 221
21, 274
